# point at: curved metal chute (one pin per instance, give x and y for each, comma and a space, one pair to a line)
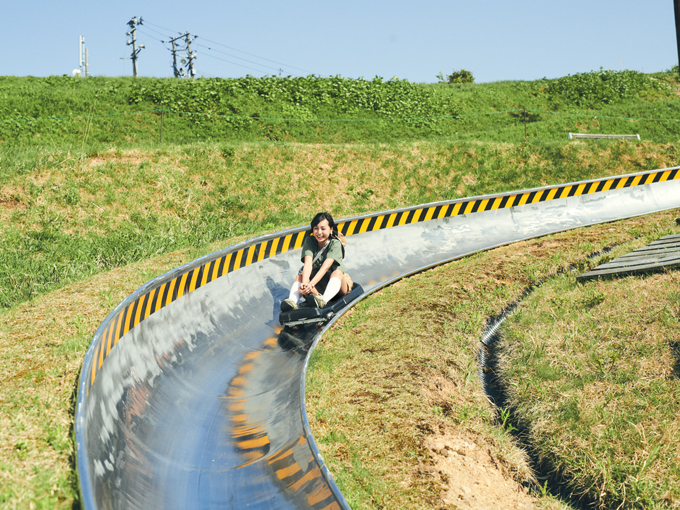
192, 395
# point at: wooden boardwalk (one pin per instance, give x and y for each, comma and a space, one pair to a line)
657, 256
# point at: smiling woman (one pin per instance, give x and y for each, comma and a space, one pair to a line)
323, 275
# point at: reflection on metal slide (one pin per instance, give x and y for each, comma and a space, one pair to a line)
192, 395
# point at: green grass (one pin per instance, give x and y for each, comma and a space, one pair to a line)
44, 333
592, 370
358, 110
91, 209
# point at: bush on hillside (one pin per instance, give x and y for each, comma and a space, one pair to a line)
597, 88
298, 97
460, 76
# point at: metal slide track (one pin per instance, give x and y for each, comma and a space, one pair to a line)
191, 395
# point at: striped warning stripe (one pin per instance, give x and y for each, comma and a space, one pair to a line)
167, 292
461, 207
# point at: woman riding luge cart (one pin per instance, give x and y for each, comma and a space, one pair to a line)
323, 276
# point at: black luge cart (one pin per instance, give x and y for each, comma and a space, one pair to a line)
312, 315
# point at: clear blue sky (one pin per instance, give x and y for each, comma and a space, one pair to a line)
496, 40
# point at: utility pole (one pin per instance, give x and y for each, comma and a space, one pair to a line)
174, 54
174, 58
87, 64
676, 6
192, 56
135, 51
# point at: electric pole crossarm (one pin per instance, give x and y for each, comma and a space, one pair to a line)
173, 40
190, 56
135, 51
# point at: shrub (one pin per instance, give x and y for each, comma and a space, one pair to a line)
461, 76
597, 88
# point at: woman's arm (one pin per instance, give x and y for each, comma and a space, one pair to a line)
306, 270
321, 272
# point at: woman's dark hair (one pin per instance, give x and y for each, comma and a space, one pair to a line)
331, 223
324, 216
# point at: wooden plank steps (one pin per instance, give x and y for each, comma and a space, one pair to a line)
662, 254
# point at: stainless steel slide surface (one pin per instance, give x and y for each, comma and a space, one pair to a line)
191, 394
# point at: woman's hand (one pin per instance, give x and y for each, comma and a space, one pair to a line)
306, 289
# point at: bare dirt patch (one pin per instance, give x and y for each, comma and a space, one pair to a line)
9, 204
472, 475
134, 157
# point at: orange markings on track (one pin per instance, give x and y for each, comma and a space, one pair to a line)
236, 392
238, 381
248, 367
311, 475
236, 405
252, 457
252, 355
318, 495
288, 471
258, 442
239, 418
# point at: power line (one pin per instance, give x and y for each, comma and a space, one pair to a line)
234, 56
182, 36
236, 49
154, 30
164, 28
149, 35
235, 63
256, 56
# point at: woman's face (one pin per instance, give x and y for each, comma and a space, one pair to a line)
321, 232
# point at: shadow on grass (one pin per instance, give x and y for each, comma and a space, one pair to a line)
546, 470
72, 458
675, 350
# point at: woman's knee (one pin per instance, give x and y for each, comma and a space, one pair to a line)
345, 283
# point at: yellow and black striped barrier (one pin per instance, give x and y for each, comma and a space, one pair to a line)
167, 292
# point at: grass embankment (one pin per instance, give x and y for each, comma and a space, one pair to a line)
63, 217
592, 370
67, 218
355, 110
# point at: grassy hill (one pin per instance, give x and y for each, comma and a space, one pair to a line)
64, 111
91, 208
